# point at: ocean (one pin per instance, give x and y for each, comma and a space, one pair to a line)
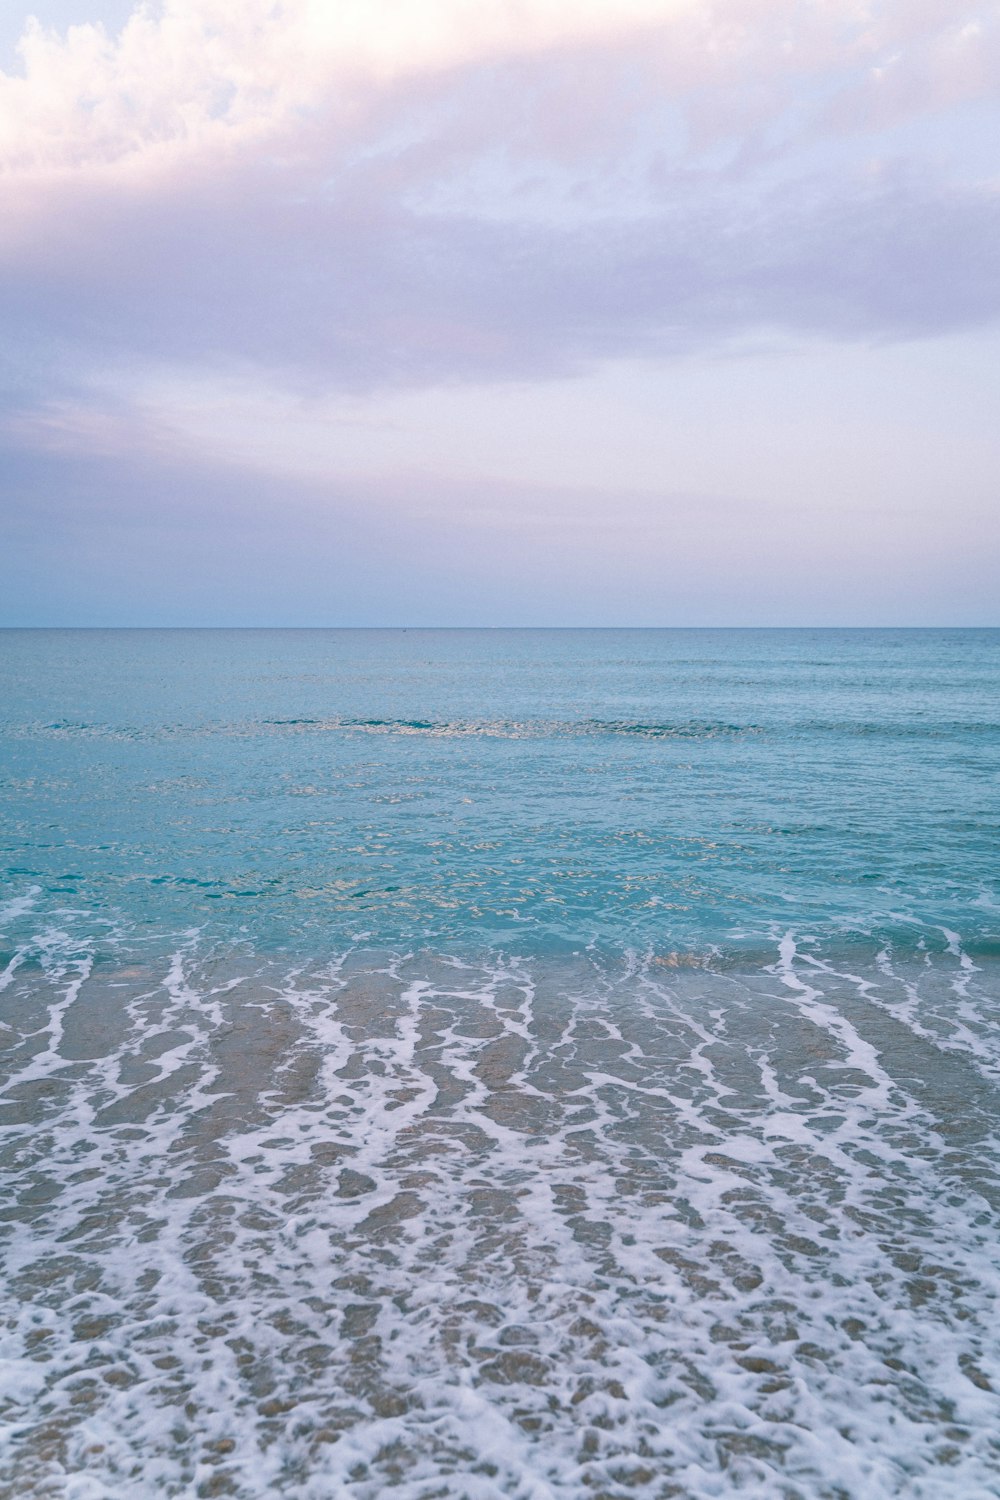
508, 1063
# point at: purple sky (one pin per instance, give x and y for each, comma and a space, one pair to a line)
475, 312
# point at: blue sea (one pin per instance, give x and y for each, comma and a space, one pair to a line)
507, 1063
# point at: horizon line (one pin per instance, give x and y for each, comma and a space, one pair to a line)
522, 627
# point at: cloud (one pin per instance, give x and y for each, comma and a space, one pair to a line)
194, 75
186, 78
349, 290
429, 191
953, 64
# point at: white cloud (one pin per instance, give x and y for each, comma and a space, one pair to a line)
196, 73
184, 76
362, 195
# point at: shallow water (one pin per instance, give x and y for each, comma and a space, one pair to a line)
610, 1146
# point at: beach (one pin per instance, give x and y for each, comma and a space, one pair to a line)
500, 1064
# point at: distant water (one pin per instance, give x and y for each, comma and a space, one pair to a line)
514, 1064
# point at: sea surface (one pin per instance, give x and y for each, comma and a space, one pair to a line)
479, 1064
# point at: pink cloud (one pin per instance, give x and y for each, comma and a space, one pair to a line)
498, 204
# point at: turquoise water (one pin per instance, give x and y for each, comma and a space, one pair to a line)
503, 1065
527, 790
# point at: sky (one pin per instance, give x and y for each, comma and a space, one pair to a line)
500, 312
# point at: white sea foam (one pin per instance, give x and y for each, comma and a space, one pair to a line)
18, 906
506, 1229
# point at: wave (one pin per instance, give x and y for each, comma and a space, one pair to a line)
528, 728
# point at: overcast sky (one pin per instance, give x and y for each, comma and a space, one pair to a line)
489, 312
